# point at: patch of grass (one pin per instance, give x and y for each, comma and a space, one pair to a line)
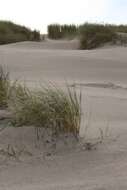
50, 108
4, 87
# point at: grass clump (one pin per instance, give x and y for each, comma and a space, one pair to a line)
50, 108
4, 87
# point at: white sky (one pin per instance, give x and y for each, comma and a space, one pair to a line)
39, 13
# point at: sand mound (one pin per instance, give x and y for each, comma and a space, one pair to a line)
26, 141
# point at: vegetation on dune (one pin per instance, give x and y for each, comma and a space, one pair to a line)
10, 33
4, 87
49, 108
118, 28
56, 31
90, 35
95, 35
69, 30
35, 36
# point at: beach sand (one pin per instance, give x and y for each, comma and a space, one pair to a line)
102, 76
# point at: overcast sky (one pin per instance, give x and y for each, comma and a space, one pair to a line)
39, 13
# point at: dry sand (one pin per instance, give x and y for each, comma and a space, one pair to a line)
102, 75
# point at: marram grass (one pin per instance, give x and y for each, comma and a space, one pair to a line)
49, 108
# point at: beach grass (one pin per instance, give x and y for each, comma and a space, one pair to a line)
50, 108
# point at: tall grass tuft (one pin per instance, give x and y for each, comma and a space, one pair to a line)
4, 87
50, 108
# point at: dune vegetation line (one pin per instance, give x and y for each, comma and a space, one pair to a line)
50, 108
90, 35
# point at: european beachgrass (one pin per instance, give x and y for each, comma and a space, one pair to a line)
4, 87
50, 108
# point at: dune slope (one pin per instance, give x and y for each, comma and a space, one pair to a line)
102, 75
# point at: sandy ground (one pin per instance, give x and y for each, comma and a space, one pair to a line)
102, 76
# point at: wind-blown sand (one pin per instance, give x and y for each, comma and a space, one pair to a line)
102, 76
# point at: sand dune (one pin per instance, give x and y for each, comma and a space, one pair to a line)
101, 65
47, 44
102, 75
